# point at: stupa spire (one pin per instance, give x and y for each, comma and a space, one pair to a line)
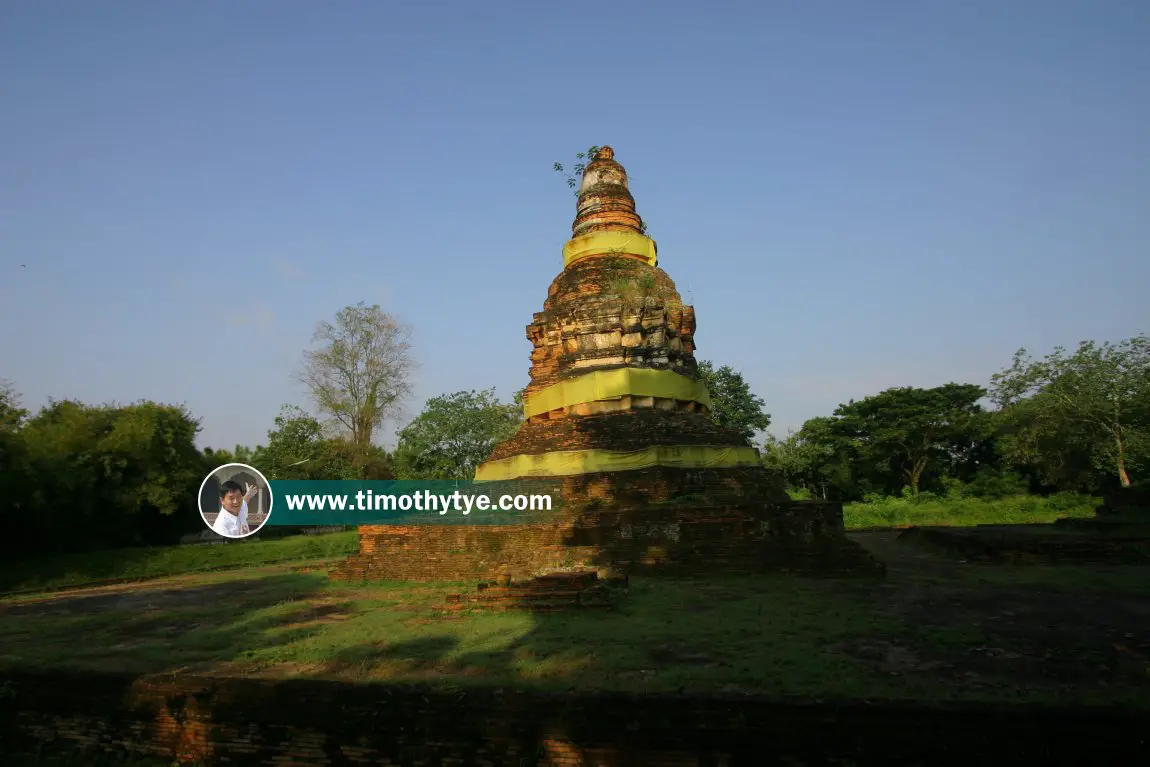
606, 223
605, 203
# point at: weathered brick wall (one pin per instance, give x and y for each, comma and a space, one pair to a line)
627, 430
651, 521
304, 723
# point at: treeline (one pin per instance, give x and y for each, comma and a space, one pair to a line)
75, 476
1074, 421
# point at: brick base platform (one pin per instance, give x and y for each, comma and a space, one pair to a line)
802, 536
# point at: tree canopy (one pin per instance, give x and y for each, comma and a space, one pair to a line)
360, 372
1094, 401
732, 403
454, 434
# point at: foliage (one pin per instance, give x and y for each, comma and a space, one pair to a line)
87, 476
732, 404
1096, 399
454, 434
361, 371
298, 449
910, 431
809, 461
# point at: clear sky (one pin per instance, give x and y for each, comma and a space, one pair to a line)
852, 195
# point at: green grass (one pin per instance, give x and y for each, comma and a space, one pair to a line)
929, 509
160, 561
776, 635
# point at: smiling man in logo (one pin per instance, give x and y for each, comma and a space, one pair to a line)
232, 521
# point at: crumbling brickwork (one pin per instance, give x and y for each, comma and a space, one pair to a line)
610, 312
313, 723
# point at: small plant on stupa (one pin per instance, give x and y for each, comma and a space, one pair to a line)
576, 174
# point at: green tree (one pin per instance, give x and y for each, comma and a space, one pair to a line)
1098, 397
360, 372
732, 404
912, 430
12, 415
297, 449
109, 475
15, 481
454, 434
813, 460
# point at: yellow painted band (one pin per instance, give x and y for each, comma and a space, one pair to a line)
590, 461
611, 384
609, 243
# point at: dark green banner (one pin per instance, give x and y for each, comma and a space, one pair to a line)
310, 503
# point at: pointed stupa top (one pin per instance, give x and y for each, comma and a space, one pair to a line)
605, 203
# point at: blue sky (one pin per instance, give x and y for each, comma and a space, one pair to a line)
853, 195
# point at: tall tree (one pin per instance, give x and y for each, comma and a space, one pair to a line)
912, 429
732, 403
361, 371
454, 434
1099, 392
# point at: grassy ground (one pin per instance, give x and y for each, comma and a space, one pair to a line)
160, 561
960, 512
932, 630
156, 562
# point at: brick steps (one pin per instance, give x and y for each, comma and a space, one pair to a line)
546, 593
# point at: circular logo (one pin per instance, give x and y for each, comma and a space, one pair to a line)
235, 500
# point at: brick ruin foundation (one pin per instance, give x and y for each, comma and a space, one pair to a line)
228, 721
617, 426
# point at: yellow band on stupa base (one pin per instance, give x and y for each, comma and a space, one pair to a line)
573, 462
610, 243
613, 384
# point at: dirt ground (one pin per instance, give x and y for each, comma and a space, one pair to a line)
1069, 624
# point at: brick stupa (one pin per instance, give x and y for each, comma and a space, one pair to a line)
617, 429
615, 387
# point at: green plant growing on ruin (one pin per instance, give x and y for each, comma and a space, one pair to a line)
634, 294
577, 169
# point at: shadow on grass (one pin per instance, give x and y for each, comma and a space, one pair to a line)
74, 570
163, 629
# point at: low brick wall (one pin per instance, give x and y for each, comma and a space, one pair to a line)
234, 721
801, 537
1018, 545
645, 521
